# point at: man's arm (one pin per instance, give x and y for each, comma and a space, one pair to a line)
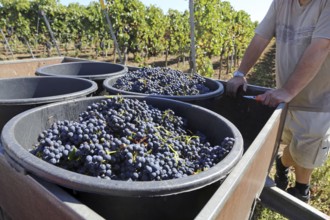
251, 56
305, 71
252, 53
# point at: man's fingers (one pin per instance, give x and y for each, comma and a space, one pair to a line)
232, 89
233, 86
229, 89
259, 98
268, 99
244, 87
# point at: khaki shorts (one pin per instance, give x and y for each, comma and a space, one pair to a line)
308, 136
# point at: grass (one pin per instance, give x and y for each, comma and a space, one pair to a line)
320, 194
321, 188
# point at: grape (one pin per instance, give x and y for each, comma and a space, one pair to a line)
127, 139
162, 81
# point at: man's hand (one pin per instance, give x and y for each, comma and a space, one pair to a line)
251, 55
234, 84
274, 97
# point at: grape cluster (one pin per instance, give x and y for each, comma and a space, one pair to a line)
127, 139
162, 81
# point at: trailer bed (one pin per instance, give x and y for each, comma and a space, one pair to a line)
23, 196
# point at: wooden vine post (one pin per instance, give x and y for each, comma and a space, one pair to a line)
105, 12
192, 38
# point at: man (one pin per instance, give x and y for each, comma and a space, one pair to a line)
302, 32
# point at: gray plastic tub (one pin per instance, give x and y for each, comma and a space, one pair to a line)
216, 88
22, 93
169, 199
96, 71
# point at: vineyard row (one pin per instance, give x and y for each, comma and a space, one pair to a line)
220, 31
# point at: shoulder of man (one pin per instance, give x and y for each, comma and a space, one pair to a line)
279, 4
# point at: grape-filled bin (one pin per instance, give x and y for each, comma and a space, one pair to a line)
180, 198
164, 83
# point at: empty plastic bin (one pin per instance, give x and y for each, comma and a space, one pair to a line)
22, 93
96, 71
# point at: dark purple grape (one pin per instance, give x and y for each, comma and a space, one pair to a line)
162, 81
127, 139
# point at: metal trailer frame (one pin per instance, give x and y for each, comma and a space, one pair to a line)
27, 67
23, 196
279, 201
243, 186
249, 182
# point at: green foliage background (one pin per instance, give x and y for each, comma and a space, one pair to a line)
140, 30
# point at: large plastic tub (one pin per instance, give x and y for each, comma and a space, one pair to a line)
22, 93
216, 88
170, 199
96, 71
